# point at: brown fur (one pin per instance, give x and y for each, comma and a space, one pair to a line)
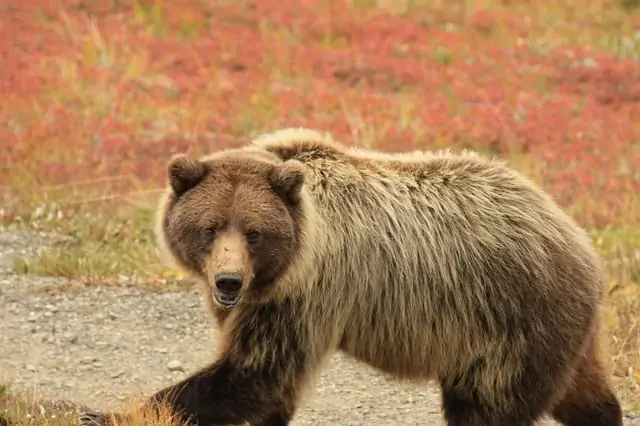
427, 266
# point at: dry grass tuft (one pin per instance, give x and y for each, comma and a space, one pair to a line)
21, 411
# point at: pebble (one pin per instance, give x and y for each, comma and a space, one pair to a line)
117, 374
175, 365
71, 337
88, 359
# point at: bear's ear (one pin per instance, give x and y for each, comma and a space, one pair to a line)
287, 178
184, 173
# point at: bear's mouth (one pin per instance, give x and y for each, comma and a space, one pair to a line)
226, 299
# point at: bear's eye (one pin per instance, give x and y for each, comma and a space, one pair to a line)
253, 236
210, 232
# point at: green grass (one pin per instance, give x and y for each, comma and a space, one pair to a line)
98, 244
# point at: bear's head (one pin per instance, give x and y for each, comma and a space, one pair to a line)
233, 219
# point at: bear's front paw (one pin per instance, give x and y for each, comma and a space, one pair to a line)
100, 419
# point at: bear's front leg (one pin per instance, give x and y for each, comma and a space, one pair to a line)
267, 358
221, 394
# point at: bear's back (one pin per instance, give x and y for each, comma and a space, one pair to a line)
444, 241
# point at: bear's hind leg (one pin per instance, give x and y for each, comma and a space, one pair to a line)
476, 397
464, 409
589, 399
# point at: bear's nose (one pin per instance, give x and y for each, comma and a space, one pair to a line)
229, 283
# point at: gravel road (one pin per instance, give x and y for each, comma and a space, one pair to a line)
96, 345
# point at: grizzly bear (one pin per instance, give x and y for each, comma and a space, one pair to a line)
425, 265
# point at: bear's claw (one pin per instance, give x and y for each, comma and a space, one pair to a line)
98, 419
91, 419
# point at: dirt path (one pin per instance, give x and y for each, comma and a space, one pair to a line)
96, 345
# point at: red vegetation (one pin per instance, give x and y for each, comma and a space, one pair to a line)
102, 88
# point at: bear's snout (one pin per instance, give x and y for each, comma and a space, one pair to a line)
229, 283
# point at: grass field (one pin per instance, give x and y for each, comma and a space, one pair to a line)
97, 94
